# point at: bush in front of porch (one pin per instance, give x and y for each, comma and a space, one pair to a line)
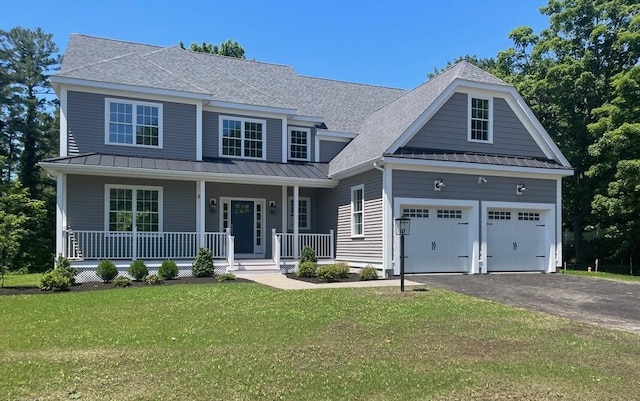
203, 265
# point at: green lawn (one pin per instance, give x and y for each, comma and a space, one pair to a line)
244, 341
609, 276
22, 280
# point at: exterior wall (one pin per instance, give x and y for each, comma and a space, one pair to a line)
306, 193
417, 184
211, 132
447, 130
367, 249
86, 202
86, 121
329, 150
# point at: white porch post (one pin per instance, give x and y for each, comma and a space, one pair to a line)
61, 214
275, 248
387, 220
200, 212
230, 249
284, 208
559, 233
296, 206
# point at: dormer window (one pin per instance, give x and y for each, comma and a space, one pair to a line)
242, 137
480, 119
299, 139
133, 123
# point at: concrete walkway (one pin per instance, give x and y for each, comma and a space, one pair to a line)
279, 280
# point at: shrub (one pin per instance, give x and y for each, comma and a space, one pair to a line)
63, 265
138, 270
203, 265
106, 270
226, 277
122, 282
308, 255
54, 280
328, 272
154, 279
368, 273
168, 270
307, 269
342, 270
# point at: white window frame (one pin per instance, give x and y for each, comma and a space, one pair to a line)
290, 214
308, 132
134, 104
243, 120
470, 98
134, 188
355, 234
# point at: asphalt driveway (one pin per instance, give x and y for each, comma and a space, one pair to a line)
607, 303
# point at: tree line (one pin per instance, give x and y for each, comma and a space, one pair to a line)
580, 76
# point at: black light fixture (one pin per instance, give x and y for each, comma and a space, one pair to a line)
213, 205
403, 225
520, 189
482, 180
272, 207
438, 184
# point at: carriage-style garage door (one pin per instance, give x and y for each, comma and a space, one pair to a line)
516, 240
439, 240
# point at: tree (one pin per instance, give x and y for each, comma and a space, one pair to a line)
229, 48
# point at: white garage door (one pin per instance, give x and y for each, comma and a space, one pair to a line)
438, 241
516, 240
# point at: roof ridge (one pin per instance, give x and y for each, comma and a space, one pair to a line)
99, 62
115, 40
353, 83
236, 58
171, 72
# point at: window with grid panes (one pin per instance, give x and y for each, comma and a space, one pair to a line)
242, 137
134, 123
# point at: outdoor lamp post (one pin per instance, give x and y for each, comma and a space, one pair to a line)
402, 228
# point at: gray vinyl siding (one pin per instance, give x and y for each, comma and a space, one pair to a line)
369, 248
447, 130
417, 184
329, 150
86, 121
211, 132
86, 202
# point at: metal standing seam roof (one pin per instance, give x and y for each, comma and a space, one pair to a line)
316, 171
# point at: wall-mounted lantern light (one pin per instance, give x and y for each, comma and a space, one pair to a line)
213, 205
521, 189
272, 207
438, 184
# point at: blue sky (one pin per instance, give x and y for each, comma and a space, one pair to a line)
388, 43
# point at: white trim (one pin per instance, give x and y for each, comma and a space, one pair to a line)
549, 212
316, 148
258, 251
284, 207
335, 135
243, 113
283, 140
311, 120
134, 103
387, 216
242, 120
134, 189
136, 90
353, 190
199, 132
201, 211
290, 217
489, 99
250, 107
559, 244
300, 129
296, 219
64, 130
61, 212
56, 168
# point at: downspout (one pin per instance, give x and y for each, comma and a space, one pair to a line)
385, 219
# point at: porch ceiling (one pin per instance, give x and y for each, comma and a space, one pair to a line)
214, 170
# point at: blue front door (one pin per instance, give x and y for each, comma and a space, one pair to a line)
242, 223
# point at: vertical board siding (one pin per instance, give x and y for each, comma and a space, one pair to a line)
417, 184
211, 132
329, 150
86, 121
86, 202
447, 130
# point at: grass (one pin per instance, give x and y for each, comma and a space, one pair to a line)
249, 342
22, 280
608, 276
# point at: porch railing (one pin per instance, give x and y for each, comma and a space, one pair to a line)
88, 245
284, 245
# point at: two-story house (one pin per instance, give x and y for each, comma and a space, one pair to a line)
163, 151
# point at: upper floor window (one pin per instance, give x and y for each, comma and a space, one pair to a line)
480, 119
299, 139
357, 211
133, 123
242, 137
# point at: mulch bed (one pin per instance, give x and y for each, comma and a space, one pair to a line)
315, 280
94, 286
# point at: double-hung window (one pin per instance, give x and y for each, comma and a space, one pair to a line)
357, 211
304, 210
127, 207
133, 123
480, 119
299, 139
242, 137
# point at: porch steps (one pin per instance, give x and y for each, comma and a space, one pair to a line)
260, 266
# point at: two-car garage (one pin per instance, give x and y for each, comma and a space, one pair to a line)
477, 237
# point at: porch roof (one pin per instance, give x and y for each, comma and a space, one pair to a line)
214, 169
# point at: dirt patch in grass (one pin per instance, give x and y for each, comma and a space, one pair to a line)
94, 286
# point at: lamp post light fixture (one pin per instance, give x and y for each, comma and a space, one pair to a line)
403, 224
